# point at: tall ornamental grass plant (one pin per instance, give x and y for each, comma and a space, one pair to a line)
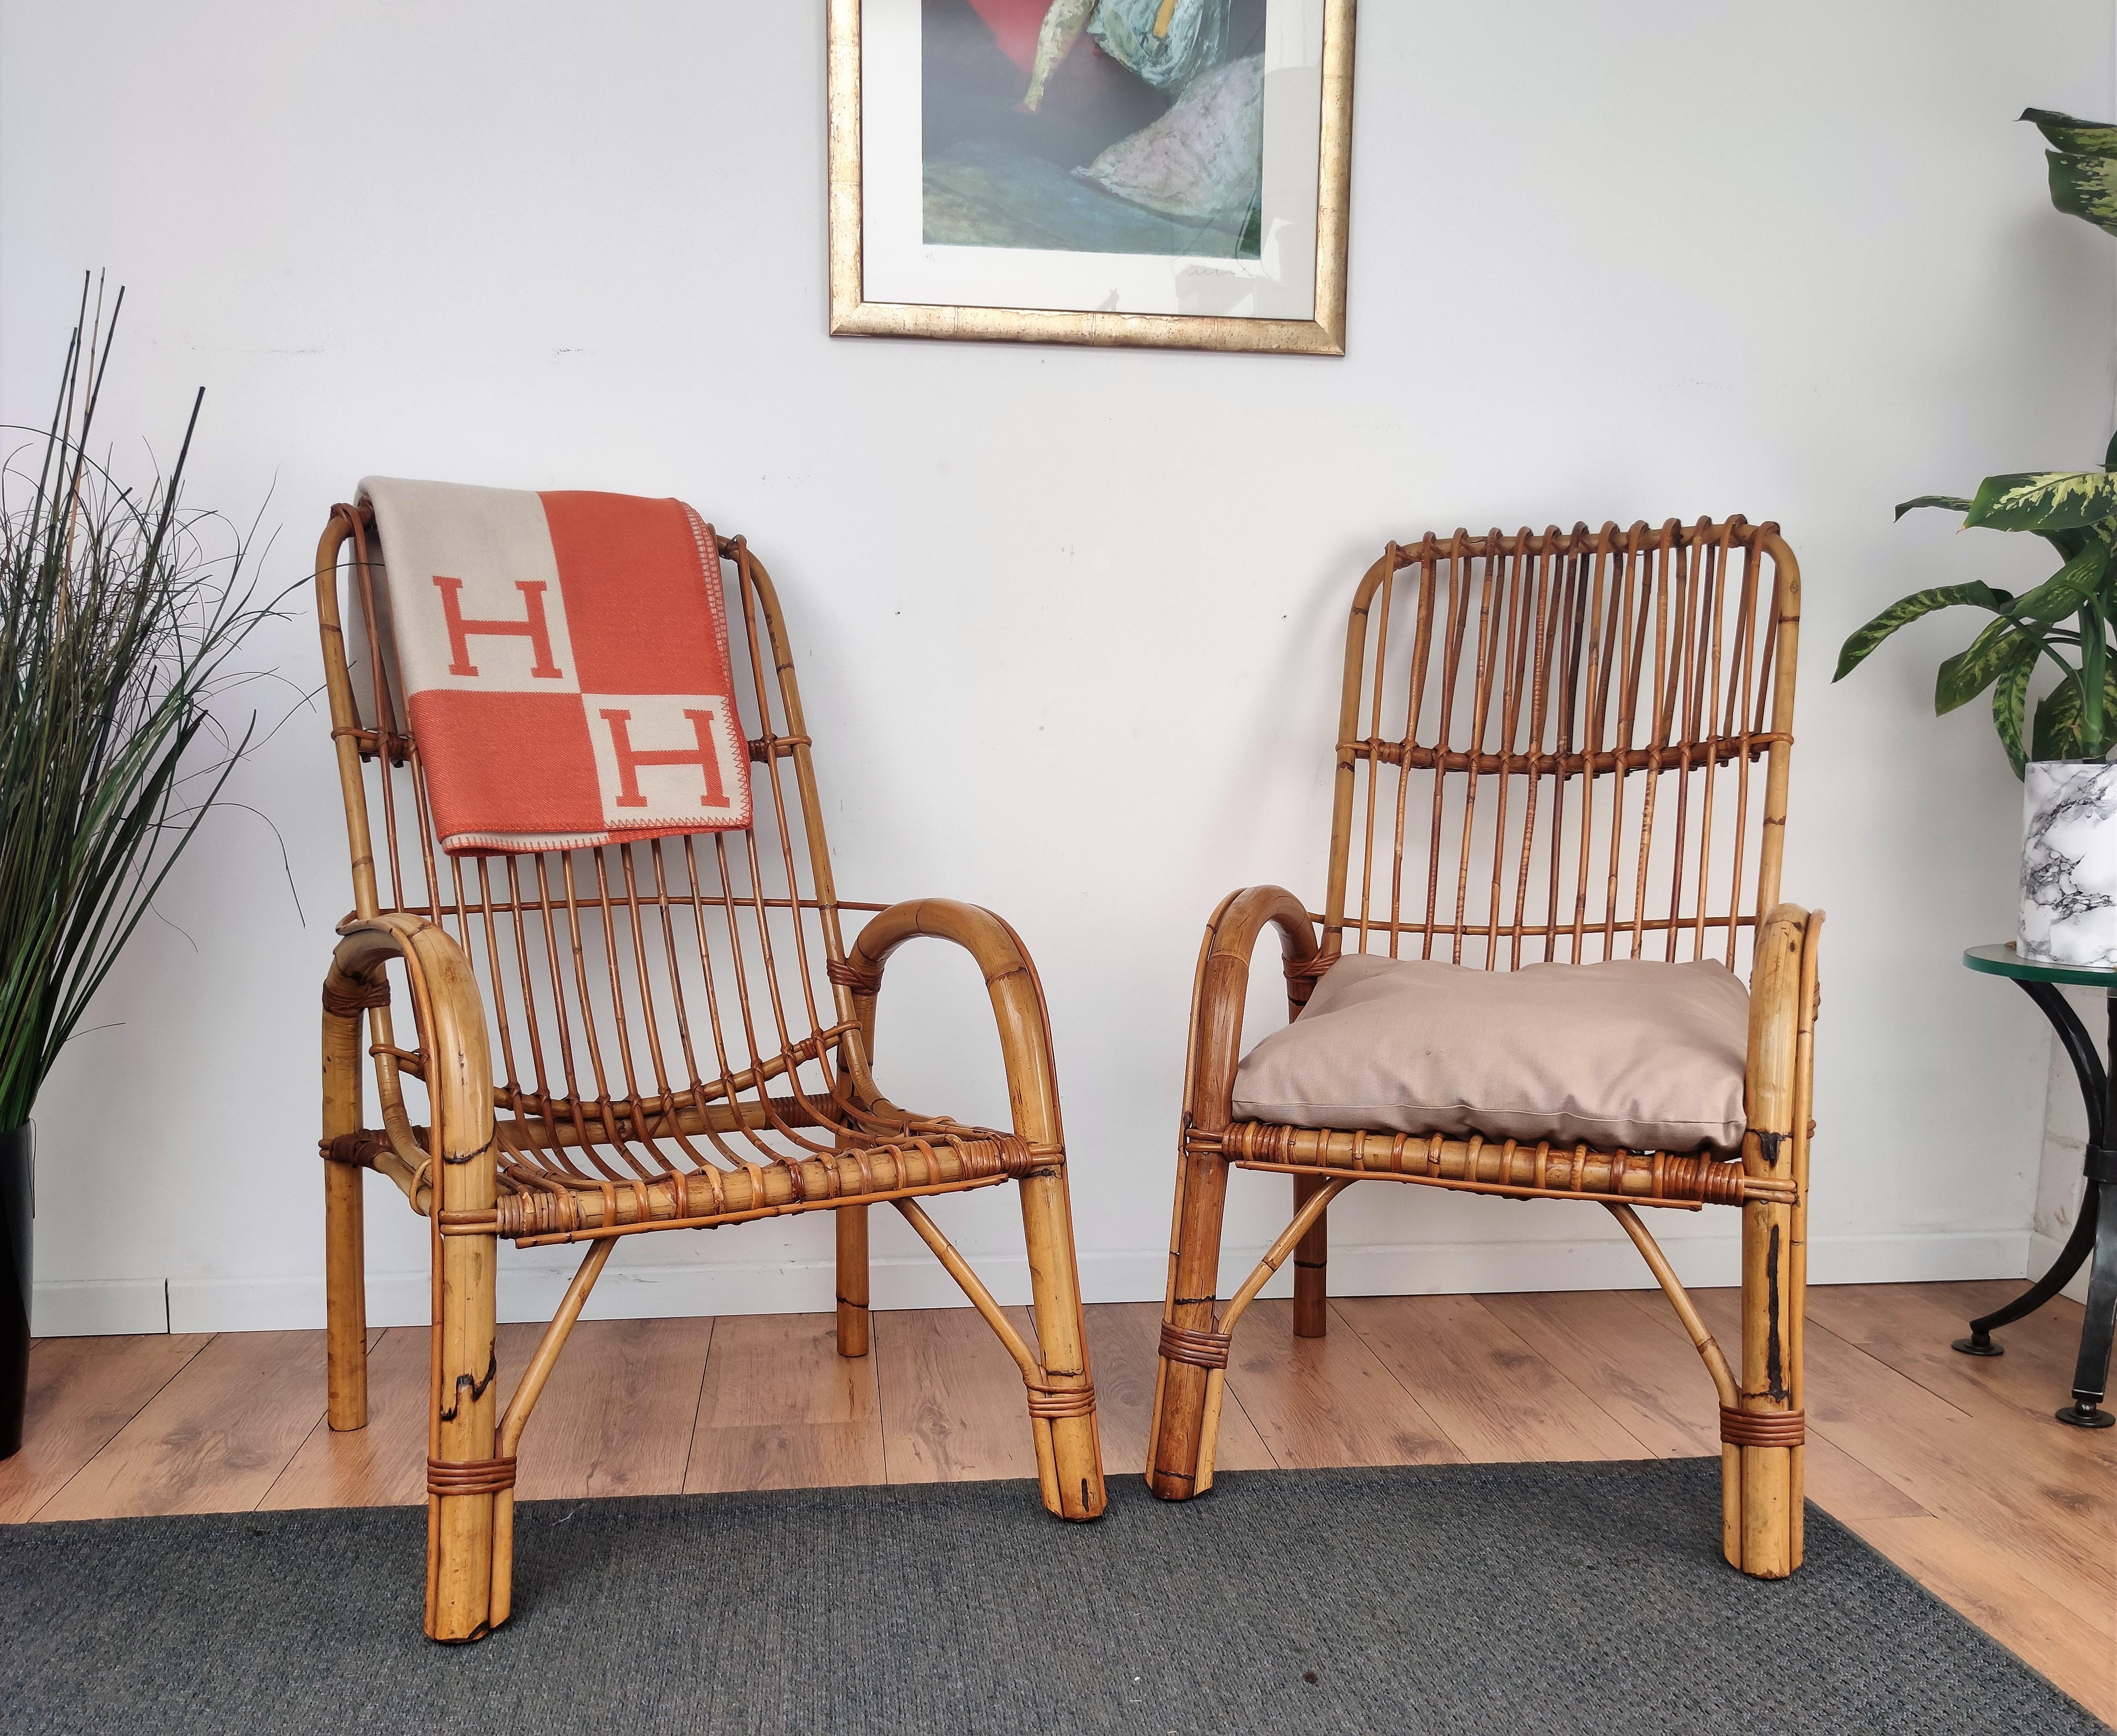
120, 614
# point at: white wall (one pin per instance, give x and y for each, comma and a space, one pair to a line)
1068, 622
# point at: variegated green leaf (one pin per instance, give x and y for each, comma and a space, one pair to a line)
2096, 717
1951, 502
2064, 132
2008, 695
2109, 457
2054, 499
2063, 593
2085, 188
1902, 612
2057, 733
2070, 542
1968, 673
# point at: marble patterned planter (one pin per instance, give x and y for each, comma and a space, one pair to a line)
2070, 863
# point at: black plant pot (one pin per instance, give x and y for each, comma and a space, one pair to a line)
18, 1206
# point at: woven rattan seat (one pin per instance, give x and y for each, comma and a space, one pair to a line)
664, 1034
1560, 748
544, 1196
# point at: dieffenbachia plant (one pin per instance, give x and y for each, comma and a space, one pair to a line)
2068, 619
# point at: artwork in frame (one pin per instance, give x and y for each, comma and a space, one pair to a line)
1171, 173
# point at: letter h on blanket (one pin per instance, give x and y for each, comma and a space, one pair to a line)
531, 628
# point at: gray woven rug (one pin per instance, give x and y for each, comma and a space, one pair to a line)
1491, 1599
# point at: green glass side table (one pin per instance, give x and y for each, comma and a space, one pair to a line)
2095, 1230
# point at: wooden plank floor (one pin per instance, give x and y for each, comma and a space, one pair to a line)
1950, 1466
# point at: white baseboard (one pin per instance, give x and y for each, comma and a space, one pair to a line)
2043, 1249
96, 1307
628, 1292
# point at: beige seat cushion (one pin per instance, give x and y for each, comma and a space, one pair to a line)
1631, 1054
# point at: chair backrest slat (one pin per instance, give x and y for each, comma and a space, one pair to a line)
1548, 745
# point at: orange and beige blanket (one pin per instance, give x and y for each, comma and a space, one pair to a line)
565, 662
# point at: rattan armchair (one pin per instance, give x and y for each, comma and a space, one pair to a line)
682, 1039
1566, 747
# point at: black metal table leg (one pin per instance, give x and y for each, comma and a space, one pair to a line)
2094, 1230
2090, 1376
2071, 1258
2094, 1079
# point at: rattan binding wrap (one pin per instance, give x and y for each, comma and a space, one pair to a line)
358, 998
1763, 1428
355, 1150
478, 1477
1053, 1402
851, 977
1200, 1350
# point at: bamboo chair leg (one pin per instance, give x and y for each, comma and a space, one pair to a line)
464, 1599
1070, 1445
1176, 1442
852, 1280
1312, 1314
345, 1237
1797, 1379
1769, 1539
345, 1294
1760, 1458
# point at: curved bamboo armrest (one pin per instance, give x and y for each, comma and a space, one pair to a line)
448, 1013
1018, 1000
1782, 1011
1221, 990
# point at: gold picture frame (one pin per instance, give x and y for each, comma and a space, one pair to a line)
853, 315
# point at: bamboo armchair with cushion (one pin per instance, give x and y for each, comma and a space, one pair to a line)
1552, 749
660, 1035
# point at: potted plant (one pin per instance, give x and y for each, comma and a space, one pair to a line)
118, 622
2061, 748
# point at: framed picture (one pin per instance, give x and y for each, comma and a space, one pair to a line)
1149, 172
